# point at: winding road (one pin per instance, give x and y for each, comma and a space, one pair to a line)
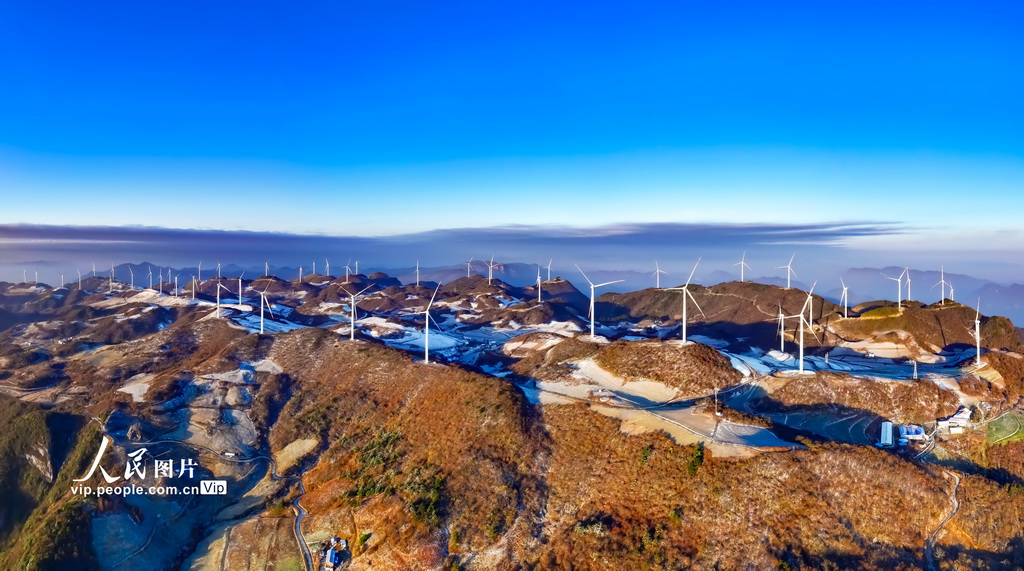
929, 546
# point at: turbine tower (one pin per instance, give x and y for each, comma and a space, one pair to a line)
417, 273
328, 264
354, 311
977, 334
805, 323
150, 277
743, 264
265, 302
789, 271
943, 283
199, 272
899, 289
469, 266
538, 285
490, 270
845, 300
132, 278
686, 293
592, 288
426, 326
79, 278
549, 268
657, 274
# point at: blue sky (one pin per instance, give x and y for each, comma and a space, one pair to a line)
390, 118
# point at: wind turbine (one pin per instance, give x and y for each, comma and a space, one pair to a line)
592, 288
240, 287
24, 276
176, 285
805, 323
538, 285
845, 299
789, 270
951, 298
357, 267
426, 326
199, 272
111, 277
743, 264
150, 277
218, 270
36, 270
782, 331
195, 283
79, 278
266, 268
265, 302
314, 268
686, 293
942, 282
328, 264
353, 310
417, 273
977, 334
657, 274
220, 286
132, 274
899, 289
61, 279
469, 266
300, 274
94, 269
549, 268
347, 269
490, 269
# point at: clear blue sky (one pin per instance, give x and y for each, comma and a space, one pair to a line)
390, 117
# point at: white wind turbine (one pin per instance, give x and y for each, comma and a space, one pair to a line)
218, 269
538, 285
951, 298
266, 268
549, 268
348, 270
943, 283
111, 277
592, 288
782, 330
907, 272
354, 311
686, 293
469, 266
300, 274
357, 267
132, 274
789, 270
845, 299
36, 270
426, 326
899, 289
150, 277
79, 278
94, 269
977, 334
490, 270
417, 273
199, 272
61, 280
220, 286
743, 265
240, 287
313, 273
657, 274
327, 263
264, 302
195, 284
805, 323
24, 276
176, 285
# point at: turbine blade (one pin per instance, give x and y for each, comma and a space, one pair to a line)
694, 270
694, 300
609, 283
584, 275
435, 294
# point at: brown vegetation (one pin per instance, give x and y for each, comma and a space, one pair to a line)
694, 369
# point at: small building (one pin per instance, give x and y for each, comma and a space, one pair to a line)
885, 438
912, 432
956, 423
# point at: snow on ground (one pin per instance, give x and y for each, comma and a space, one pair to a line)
710, 342
137, 386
